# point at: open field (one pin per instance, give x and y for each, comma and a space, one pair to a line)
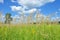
30, 32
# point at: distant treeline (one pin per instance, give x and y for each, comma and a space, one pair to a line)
46, 22
59, 22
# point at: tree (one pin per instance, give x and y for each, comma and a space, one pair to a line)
8, 18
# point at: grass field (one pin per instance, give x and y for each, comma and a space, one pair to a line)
30, 32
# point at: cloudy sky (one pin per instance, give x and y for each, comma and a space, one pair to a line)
16, 7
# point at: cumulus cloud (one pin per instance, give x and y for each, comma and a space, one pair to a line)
21, 9
27, 4
33, 3
30, 11
16, 8
30, 5
1, 1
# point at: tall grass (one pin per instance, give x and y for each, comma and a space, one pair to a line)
30, 32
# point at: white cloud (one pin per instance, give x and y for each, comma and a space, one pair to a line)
1, 1
13, 0
16, 8
21, 9
30, 5
33, 3
33, 10
30, 11
27, 4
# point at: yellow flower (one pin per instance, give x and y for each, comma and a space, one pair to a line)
33, 31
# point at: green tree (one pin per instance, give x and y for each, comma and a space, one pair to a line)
8, 18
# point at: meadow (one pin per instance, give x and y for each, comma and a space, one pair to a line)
30, 32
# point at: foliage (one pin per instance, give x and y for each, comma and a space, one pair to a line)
8, 18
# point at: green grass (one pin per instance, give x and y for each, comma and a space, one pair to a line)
30, 32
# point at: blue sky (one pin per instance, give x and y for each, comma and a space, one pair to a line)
46, 9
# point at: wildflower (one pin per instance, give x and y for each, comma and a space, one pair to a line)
33, 31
